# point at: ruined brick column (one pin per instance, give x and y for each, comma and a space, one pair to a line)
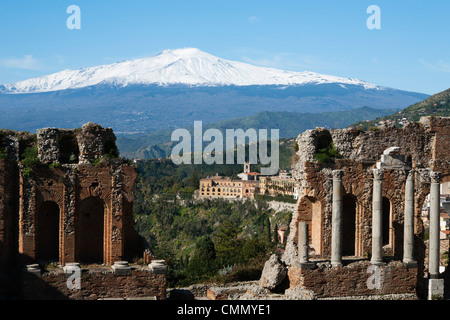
434, 224
70, 203
408, 235
336, 220
115, 252
377, 218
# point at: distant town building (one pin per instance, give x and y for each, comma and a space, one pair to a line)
225, 187
282, 233
249, 184
281, 185
248, 174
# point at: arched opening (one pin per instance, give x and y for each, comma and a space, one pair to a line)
348, 225
323, 140
68, 149
111, 149
386, 221
47, 232
310, 210
90, 231
131, 240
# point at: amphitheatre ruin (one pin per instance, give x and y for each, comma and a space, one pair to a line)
358, 229
363, 211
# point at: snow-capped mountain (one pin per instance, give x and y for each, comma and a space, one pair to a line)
188, 66
177, 87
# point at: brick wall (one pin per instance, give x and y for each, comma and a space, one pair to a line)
9, 189
355, 279
441, 128
70, 188
42, 211
100, 283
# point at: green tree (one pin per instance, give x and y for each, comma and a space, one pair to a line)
267, 228
227, 242
30, 157
253, 248
195, 179
203, 263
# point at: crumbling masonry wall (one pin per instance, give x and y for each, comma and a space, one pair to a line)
423, 146
90, 190
65, 196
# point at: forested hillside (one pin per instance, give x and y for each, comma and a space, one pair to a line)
158, 144
436, 105
205, 240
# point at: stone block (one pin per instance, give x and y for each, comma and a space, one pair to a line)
32, 270
215, 294
273, 273
307, 265
158, 267
435, 289
71, 267
121, 268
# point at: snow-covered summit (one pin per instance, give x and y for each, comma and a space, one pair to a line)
188, 66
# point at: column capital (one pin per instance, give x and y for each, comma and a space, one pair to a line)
411, 174
424, 174
377, 174
337, 174
435, 177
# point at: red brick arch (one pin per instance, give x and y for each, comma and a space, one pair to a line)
90, 230
48, 232
310, 210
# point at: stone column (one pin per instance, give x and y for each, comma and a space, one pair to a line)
32, 270
72, 271
377, 218
158, 267
434, 225
303, 245
408, 234
121, 268
336, 220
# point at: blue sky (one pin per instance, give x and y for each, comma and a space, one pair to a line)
411, 51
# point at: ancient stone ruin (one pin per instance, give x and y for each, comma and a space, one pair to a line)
360, 203
67, 198
358, 230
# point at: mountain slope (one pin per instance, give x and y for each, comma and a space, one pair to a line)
140, 109
158, 144
436, 105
